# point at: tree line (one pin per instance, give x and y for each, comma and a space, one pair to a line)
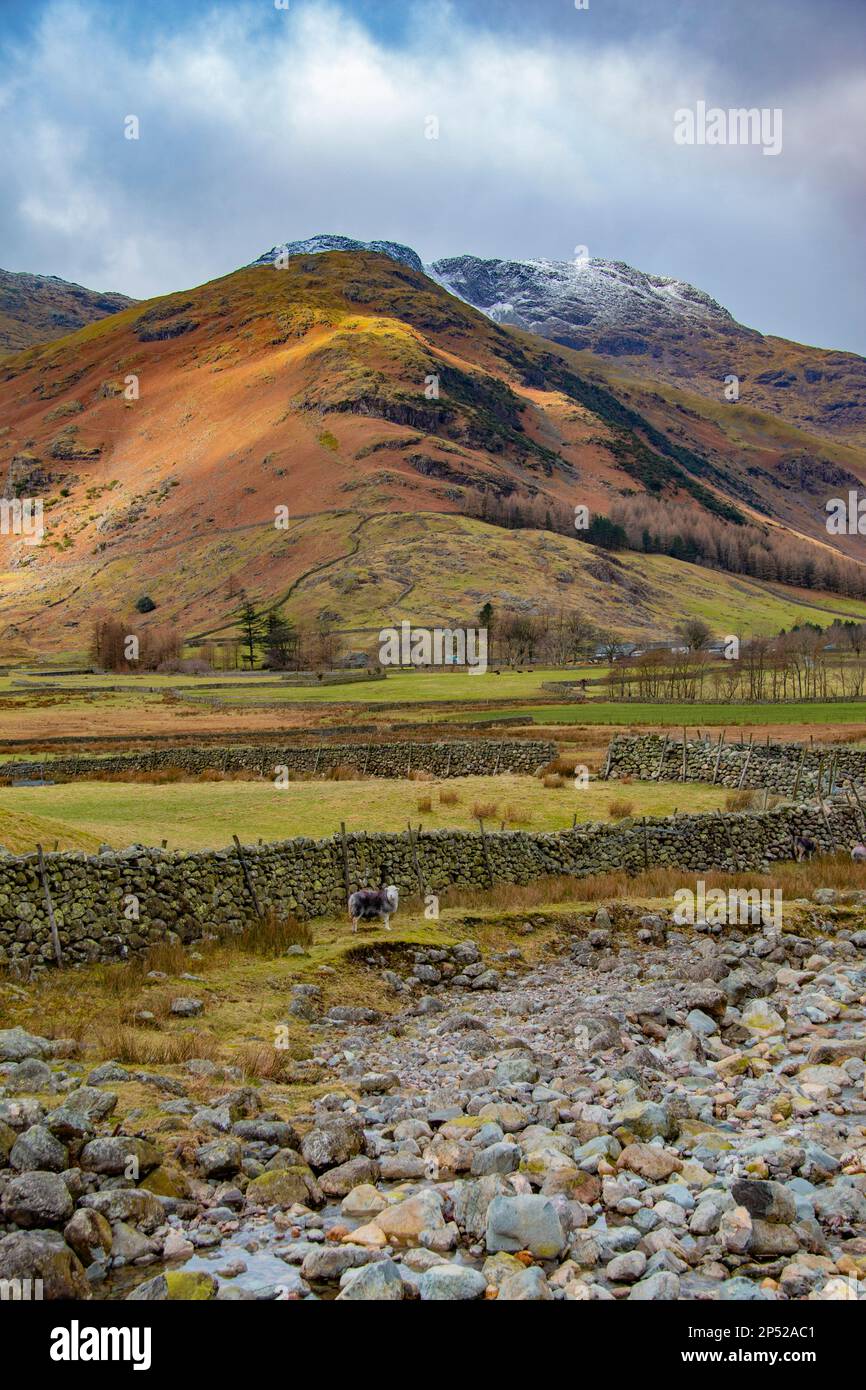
808, 663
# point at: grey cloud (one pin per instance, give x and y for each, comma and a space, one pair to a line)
260, 128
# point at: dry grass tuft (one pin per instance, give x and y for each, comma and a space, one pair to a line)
739, 801
485, 810
448, 797
154, 778
795, 881
619, 808
270, 936
343, 772
563, 765
133, 1046
260, 1062
553, 781
424, 804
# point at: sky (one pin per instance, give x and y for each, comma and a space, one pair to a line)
259, 124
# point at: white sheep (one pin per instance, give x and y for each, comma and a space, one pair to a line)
367, 904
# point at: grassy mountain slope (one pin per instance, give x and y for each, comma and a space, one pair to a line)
310, 388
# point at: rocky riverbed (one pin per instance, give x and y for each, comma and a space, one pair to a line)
650, 1114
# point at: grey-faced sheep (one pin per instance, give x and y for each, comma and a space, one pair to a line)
804, 847
858, 853
370, 904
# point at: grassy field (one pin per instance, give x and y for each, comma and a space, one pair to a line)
418, 686
676, 715
20, 832
398, 686
199, 815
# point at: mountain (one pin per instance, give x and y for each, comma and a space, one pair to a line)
662, 329
38, 308
405, 431
605, 305
314, 245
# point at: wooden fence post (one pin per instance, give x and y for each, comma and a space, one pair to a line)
718, 757
486, 852
345, 847
605, 774
415, 860
799, 771
247, 878
662, 758
55, 936
859, 803
824, 814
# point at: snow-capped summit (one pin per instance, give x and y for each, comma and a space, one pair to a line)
314, 245
605, 305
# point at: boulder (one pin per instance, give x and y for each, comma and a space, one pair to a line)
43, 1255
524, 1223
379, 1282
332, 1142
284, 1187
35, 1200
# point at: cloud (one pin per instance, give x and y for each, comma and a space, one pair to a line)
259, 125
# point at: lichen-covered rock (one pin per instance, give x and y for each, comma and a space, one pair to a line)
378, 1282
35, 1199
88, 1234
43, 1255
120, 1155
332, 1142
37, 1149
16, 1044
524, 1223
132, 1204
284, 1187
190, 1285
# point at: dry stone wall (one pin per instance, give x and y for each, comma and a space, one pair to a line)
116, 903
775, 766
482, 757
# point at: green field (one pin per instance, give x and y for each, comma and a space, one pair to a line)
399, 687
200, 815
676, 715
418, 686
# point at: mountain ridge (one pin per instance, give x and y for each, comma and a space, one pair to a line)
41, 308
658, 328
306, 387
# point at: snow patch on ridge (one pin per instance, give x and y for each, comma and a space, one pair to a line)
317, 245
